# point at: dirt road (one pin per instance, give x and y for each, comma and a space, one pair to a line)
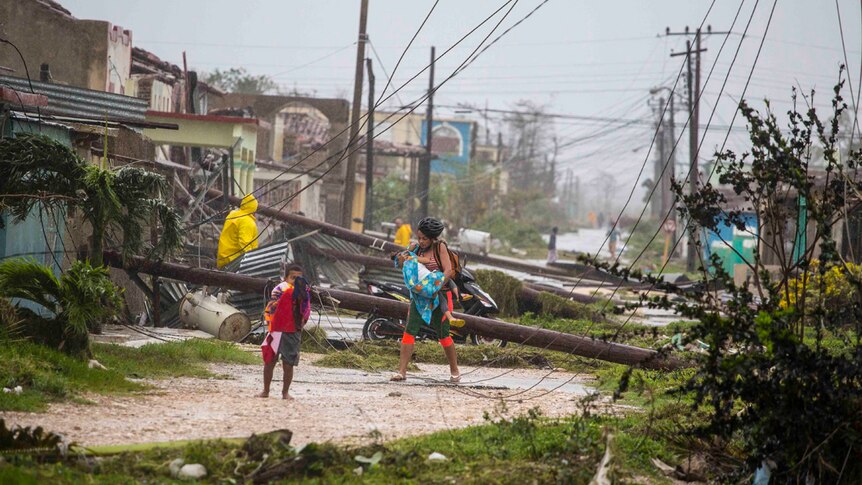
331, 405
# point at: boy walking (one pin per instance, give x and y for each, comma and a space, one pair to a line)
286, 313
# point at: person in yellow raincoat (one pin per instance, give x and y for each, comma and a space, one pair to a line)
403, 234
239, 234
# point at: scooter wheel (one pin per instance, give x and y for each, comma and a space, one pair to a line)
477, 340
376, 329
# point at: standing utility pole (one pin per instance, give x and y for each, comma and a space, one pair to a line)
350, 173
656, 201
423, 173
694, 112
369, 152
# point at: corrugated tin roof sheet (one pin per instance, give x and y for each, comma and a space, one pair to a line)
264, 262
87, 103
269, 261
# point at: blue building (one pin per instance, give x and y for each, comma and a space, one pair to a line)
451, 143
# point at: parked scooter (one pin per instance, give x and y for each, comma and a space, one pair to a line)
474, 301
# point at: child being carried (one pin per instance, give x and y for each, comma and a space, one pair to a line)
425, 284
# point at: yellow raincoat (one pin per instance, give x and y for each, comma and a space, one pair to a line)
239, 234
402, 236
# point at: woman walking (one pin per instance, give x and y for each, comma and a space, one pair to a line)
434, 254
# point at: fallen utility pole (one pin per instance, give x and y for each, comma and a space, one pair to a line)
531, 336
535, 337
530, 291
382, 245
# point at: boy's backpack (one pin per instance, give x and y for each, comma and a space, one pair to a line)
454, 258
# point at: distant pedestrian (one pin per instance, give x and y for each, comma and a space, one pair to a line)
591, 216
601, 220
403, 232
552, 246
613, 237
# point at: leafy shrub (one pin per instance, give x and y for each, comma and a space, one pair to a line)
775, 391
830, 287
78, 301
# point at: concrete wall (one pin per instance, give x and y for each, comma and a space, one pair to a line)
337, 111
277, 191
76, 50
119, 59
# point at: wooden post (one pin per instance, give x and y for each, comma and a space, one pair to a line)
535, 337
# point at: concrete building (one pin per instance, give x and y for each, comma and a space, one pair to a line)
306, 139
453, 139
92, 54
237, 135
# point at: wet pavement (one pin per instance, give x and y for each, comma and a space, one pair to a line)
341, 405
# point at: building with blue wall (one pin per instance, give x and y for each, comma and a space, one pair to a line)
451, 144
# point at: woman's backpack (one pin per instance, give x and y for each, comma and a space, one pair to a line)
453, 258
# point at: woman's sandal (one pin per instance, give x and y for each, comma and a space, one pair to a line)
455, 379
398, 378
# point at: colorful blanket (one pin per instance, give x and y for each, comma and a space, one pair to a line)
423, 286
269, 347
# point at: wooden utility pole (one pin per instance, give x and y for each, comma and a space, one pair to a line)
691, 254
536, 337
667, 200
369, 152
498, 172
570, 269
423, 173
657, 199
352, 155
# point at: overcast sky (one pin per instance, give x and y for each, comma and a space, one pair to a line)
587, 58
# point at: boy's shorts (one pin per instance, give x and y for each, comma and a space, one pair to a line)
288, 348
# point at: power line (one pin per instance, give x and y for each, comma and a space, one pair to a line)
344, 130
626, 204
454, 73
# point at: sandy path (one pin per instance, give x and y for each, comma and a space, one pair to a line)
331, 405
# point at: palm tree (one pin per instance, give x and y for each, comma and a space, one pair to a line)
80, 299
39, 173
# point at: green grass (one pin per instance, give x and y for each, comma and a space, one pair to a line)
172, 359
524, 449
47, 375
383, 355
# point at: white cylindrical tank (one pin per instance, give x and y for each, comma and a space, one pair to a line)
475, 241
221, 320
